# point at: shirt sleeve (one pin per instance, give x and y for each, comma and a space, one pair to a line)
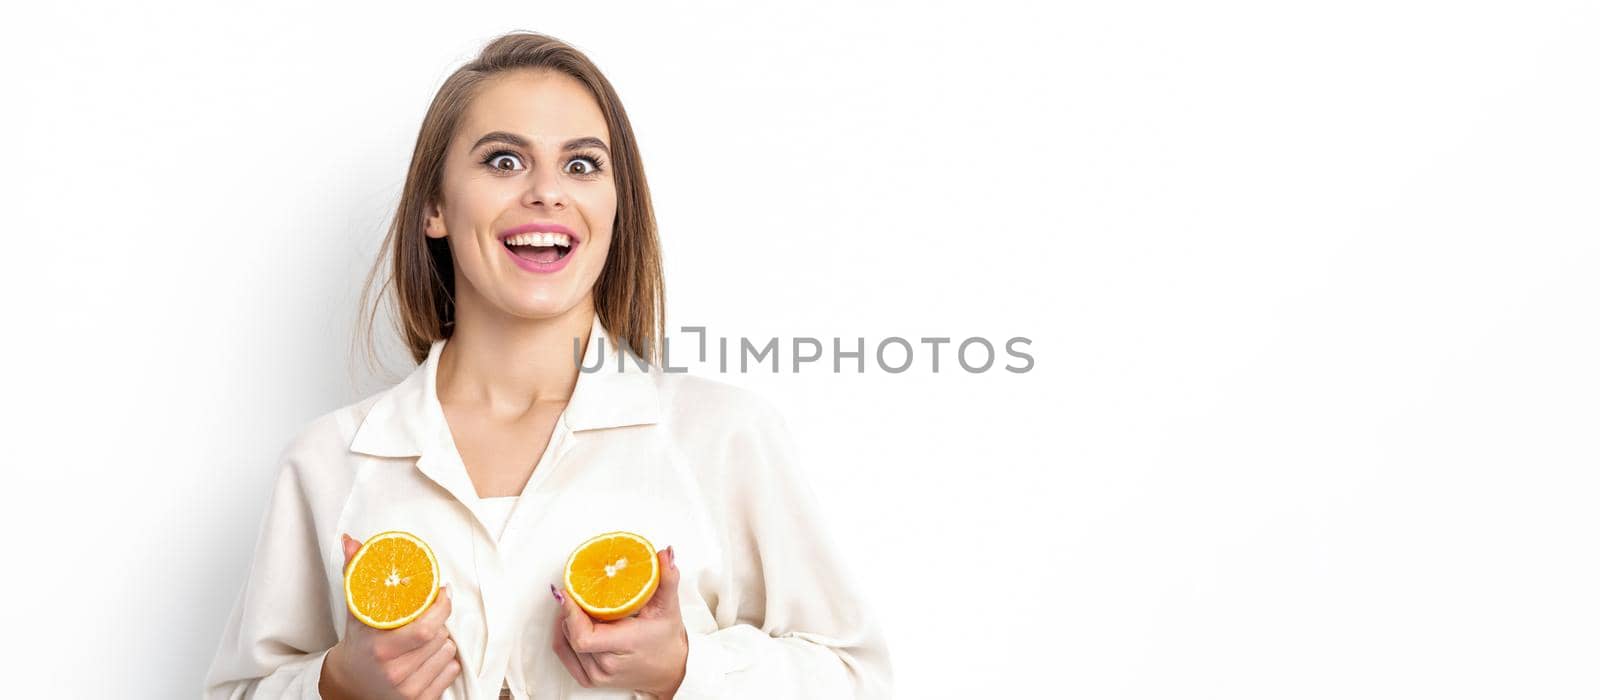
280, 628
802, 629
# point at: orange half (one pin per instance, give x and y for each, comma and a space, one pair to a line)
612, 575
392, 580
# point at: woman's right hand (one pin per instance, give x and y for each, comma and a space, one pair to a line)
416, 661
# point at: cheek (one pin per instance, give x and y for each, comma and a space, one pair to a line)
476, 211
600, 212
594, 202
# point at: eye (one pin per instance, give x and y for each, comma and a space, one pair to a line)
496, 159
590, 164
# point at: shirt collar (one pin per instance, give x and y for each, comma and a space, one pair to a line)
407, 419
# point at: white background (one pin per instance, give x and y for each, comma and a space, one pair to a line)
1311, 288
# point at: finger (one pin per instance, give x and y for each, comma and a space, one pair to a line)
421, 631
410, 661
569, 658
351, 546
423, 628
435, 690
602, 636
428, 671
664, 602
587, 635
597, 675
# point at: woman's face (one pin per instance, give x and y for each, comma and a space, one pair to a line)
532, 149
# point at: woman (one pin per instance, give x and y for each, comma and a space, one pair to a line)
525, 240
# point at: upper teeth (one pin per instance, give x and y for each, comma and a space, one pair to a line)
540, 239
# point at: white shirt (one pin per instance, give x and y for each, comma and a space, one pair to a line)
770, 608
496, 512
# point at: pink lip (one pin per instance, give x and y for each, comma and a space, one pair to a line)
530, 265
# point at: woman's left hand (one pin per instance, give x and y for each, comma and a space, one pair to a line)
645, 652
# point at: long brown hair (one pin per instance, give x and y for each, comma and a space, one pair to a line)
629, 295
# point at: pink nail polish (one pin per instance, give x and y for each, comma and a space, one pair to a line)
554, 593
672, 558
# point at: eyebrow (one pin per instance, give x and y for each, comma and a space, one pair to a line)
519, 142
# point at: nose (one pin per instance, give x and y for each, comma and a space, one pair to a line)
544, 188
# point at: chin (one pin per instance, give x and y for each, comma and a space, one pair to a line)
538, 308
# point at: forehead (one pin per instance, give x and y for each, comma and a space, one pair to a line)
547, 107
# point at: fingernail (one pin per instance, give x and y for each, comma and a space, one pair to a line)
557, 594
672, 558
446, 588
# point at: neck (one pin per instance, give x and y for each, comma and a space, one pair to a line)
508, 364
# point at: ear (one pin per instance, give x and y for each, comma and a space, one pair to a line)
433, 221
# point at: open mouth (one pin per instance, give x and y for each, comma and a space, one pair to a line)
542, 248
